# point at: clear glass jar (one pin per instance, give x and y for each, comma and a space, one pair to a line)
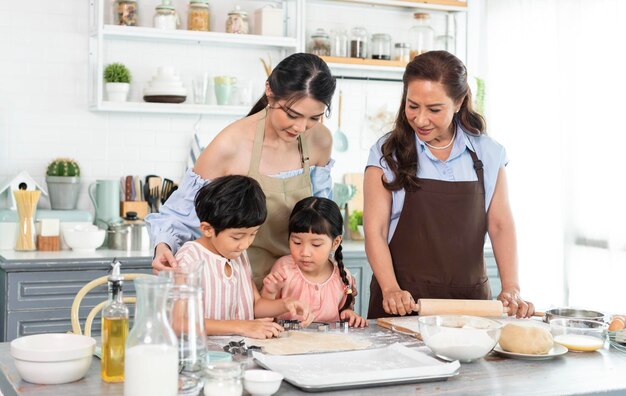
422, 36
165, 16
402, 52
320, 43
125, 12
199, 16
381, 46
237, 22
223, 379
358, 42
339, 42
151, 340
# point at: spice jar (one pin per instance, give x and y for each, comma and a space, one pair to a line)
339, 43
422, 36
402, 52
198, 17
320, 43
237, 21
126, 12
381, 46
165, 16
358, 42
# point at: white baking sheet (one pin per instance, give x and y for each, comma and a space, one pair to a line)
392, 364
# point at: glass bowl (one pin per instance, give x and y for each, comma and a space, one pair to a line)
579, 335
459, 337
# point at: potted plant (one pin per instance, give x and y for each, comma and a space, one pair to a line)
63, 179
355, 220
117, 78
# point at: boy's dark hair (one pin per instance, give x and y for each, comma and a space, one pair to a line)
231, 202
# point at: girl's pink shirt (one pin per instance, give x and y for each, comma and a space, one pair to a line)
324, 299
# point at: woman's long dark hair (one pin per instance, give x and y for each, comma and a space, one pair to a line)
322, 216
399, 150
297, 76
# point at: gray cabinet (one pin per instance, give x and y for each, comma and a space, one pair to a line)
357, 264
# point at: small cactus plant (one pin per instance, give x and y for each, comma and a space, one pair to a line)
63, 167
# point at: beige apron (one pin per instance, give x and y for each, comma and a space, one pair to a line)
272, 240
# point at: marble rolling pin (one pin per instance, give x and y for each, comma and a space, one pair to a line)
428, 306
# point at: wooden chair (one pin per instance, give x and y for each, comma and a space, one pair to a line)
94, 311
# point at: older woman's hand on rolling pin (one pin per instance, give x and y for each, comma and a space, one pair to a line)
514, 304
398, 302
163, 259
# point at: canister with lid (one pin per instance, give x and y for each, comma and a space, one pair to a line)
358, 42
237, 21
402, 52
125, 12
319, 43
165, 16
199, 15
422, 36
381, 46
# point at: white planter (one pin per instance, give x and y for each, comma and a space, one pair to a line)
117, 92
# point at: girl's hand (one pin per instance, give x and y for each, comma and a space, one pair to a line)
398, 302
260, 328
353, 319
163, 259
516, 305
274, 282
301, 309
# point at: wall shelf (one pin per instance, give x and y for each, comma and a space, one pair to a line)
171, 108
365, 68
433, 5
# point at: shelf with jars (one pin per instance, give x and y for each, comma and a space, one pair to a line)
435, 5
167, 108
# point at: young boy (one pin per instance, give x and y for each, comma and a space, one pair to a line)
231, 209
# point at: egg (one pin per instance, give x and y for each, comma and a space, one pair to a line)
618, 323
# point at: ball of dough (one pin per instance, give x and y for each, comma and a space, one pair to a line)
532, 340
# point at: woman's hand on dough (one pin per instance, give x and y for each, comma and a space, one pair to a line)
516, 305
398, 302
163, 259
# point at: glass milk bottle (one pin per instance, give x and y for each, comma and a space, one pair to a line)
151, 366
422, 36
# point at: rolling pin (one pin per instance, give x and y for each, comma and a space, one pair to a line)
429, 306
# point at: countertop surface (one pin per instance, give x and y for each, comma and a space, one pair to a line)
600, 372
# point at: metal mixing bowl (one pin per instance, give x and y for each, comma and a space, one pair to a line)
572, 313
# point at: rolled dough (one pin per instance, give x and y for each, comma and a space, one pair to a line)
296, 342
530, 340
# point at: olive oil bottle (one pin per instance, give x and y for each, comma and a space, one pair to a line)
114, 329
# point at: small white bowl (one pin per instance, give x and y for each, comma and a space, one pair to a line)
84, 239
262, 382
52, 358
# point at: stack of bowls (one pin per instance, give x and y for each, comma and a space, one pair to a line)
165, 87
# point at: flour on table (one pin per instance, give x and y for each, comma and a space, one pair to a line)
296, 342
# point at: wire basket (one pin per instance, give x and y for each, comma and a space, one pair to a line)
617, 339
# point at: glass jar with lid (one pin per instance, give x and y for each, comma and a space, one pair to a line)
125, 12
422, 36
381, 46
237, 21
339, 40
165, 16
402, 52
199, 15
319, 43
223, 379
358, 42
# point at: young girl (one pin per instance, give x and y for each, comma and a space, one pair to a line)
231, 209
314, 271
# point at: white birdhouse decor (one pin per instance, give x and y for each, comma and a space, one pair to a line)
22, 181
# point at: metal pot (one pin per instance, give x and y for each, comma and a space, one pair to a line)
131, 234
572, 313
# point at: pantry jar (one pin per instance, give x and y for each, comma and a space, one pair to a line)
381, 46
237, 21
165, 16
319, 43
199, 15
223, 379
402, 52
358, 42
339, 43
422, 36
125, 12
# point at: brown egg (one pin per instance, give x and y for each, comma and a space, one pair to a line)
617, 324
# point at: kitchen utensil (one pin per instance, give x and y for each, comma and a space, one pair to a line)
106, 200
128, 188
137, 188
339, 138
571, 313
404, 324
166, 190
557, 350
130, 235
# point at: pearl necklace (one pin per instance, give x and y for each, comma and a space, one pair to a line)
442, 147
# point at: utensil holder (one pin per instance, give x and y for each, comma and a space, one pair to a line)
140, 207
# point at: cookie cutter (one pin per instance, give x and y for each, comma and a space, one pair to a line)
290, 324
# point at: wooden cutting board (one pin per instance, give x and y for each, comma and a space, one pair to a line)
404, 324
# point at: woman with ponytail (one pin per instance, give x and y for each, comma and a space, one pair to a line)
281, 144
314, 272
434, 187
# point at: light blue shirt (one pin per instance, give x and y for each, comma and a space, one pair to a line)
177, 222
458, 167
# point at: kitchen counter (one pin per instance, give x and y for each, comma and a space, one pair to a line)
589, 373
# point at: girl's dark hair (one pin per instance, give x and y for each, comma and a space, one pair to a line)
322, 216
399, 149
231, 202
297, 76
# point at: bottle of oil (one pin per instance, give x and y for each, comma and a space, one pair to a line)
114, 329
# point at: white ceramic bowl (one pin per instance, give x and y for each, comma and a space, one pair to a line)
261, 382
84, 239
52, 358
459, 337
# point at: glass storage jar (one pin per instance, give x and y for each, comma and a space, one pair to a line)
199, 15
125, 12
165, 16
402, 52
381, 46
223, 379
319, 43
237, 21
422, 36
339, 43
358, 42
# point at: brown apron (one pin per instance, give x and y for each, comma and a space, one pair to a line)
437, 247
272, 240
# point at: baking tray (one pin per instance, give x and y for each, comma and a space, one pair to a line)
392, 365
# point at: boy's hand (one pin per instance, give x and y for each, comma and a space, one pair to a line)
261, 328
274, 282
301, 309
353, 319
